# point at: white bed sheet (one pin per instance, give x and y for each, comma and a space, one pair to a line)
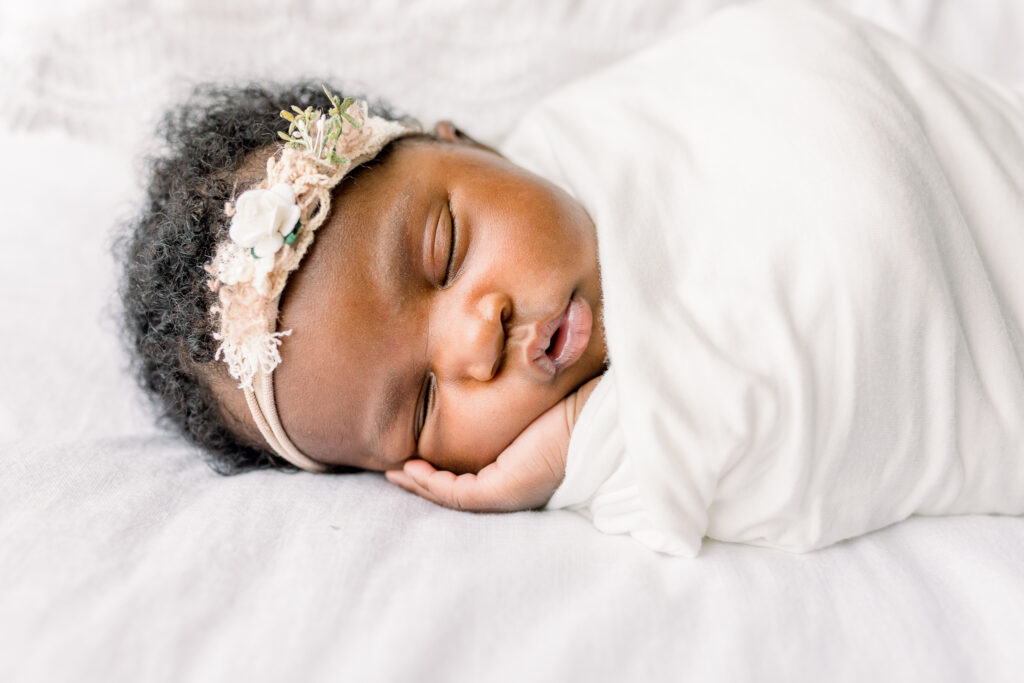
124, 558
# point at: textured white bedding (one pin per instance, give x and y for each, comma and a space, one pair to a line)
123, 558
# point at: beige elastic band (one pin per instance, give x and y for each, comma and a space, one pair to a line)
264, 411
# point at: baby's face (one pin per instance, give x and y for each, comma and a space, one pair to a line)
424, 315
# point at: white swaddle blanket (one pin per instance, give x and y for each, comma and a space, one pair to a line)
812, 252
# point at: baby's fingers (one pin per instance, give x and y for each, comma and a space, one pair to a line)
461, 492
409, 484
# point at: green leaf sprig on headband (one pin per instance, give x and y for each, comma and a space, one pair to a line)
310, 129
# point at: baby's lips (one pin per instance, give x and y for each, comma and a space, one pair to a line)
571, 334
576, 327
537, 350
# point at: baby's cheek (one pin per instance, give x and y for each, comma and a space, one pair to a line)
469, 448
470, 441
475, 423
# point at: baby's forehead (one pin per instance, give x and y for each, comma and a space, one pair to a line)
415, 155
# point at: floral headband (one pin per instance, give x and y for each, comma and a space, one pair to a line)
272, 226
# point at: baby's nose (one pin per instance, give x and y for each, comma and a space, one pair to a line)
475, 346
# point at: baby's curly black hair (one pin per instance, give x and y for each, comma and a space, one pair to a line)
164, 292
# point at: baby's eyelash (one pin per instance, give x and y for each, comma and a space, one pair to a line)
424, 406
452, 242
421, 404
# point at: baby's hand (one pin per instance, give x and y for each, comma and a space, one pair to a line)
524, 475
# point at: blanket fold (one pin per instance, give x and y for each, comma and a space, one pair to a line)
810, 240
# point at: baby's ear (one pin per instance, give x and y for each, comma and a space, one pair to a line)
446, 130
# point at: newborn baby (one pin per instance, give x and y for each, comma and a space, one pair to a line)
449, 299
807, 299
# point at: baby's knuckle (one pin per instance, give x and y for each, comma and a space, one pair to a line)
457, 500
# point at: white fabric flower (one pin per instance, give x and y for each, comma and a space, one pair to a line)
263, 218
